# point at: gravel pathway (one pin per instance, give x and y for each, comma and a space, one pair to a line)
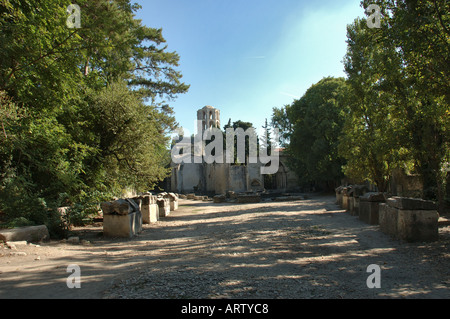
299, 249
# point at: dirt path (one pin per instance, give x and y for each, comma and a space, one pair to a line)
301, 249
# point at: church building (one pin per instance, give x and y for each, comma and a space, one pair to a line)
218, 178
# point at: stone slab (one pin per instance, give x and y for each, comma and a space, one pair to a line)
356, 203
248, 199
418, 225
409, 225
407, 203
219, 198
345, 200
29, 234
388, 219
173, 205
373, 197
164, 207
121, 206
190, 196
369, 212
150, 213
124, 226
351, 205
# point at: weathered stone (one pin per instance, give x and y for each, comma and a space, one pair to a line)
409, 225
117, 207
411, 203
164, 206
231, 195
190, 196
346, 189
173, 198
369, 207
149, 209
373, 197
388, 219
150, 214
345, 200
356, 204
125, 226
359, 190
219, 198
351, 205
339, 195
418, 225
73, 240
249, 198
29, 234
14, 244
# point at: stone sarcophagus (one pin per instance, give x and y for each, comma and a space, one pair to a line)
122, 218
338, 191
249, 198
409, 219
369, 207
173, 199
149, 209
163, 206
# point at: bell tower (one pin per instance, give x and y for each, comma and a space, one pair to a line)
208, 117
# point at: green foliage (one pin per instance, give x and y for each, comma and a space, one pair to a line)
73, 112
316, 122
372, 138
280, 120
399, 75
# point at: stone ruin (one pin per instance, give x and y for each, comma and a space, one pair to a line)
122, 218
125, 217
369, 205
408, 219
149, 209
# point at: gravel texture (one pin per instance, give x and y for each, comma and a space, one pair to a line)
298, 249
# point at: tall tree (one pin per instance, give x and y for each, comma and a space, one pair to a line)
61, 78
373, 133
414, 38
317, 119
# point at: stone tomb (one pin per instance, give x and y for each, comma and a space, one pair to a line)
354, 198
219, 198
122, 218
369, 207
173, 199
345, 193
248, 198
409, 219
149, 209
163, 205
338, 191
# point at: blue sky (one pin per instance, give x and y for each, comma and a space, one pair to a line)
245, 57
